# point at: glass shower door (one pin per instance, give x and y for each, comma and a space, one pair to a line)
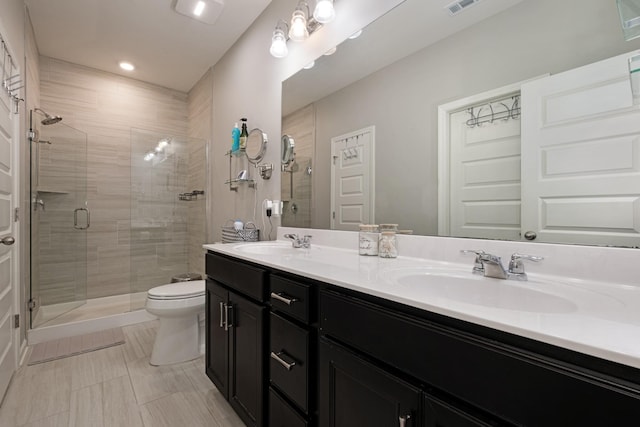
59, 220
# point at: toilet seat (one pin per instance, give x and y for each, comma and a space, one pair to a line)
179, 290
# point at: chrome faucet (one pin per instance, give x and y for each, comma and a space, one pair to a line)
299, 242
490, 265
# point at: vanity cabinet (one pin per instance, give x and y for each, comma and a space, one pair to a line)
466, 378
236, 335
292, 350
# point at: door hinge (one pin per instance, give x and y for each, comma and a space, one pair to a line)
16, 215
333, 214
16, 321
31, 305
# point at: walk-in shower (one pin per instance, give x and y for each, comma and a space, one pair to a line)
92, 257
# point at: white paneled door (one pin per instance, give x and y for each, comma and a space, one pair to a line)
485, 173
7, 273
352, 179
581, 156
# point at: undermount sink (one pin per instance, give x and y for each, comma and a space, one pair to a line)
268, 248
465, 287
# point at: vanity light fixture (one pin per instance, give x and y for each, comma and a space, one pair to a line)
279, 40
301, 27
127, 66
324, 11
298, 31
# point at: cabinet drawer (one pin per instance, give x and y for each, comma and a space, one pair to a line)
525, 388
281, 414
291, 298
251, 281
289, 360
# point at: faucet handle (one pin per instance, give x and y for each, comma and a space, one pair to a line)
306, 241
478, 267
516, 266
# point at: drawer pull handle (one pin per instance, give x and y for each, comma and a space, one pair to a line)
280, 297
277, 357
222, 314
403, 420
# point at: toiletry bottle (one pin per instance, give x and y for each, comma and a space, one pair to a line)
244, 135
235, 138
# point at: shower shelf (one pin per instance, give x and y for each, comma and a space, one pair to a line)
51, 191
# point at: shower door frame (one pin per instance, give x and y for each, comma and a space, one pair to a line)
76, 217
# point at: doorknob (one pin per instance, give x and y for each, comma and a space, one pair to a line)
8, 240
530, 235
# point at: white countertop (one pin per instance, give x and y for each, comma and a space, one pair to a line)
592, 317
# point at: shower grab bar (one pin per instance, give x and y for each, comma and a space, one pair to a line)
75, 219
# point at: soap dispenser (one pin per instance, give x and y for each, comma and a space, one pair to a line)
235, 138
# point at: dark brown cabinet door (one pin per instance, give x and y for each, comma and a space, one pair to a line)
354, 392
217, 338
247, 378
438, 413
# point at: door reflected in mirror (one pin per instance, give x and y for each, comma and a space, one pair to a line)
395, 81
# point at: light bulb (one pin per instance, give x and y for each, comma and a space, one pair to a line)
298, 30
324, 11
279, 44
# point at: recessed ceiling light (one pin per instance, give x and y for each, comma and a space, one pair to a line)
199, 8
309, 65
356, 35
127, 66
331, 51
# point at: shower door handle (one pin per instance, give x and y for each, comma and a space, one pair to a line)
75, 219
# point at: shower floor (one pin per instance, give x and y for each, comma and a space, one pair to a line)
58, 314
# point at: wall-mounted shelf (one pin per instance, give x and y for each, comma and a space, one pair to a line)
242, 179
51, 191
235, 183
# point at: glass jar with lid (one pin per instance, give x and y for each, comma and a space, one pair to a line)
368, 238
388, 245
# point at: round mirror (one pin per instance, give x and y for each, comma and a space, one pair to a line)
256, 145
288, 155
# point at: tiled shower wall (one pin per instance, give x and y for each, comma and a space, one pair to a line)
296, 181
107, 107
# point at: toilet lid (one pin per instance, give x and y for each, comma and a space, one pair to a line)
178, 290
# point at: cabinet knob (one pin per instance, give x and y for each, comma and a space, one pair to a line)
8, 240
403, 420
530, 235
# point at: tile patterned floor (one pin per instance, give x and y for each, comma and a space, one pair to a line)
116, 387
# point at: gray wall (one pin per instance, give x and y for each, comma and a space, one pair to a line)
528, 40
247, 83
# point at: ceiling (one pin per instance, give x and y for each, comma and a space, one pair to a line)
408, 28
167, 48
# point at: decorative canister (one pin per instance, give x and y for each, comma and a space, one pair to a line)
368, 239
388, 245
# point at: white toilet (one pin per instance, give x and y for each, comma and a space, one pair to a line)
180, 336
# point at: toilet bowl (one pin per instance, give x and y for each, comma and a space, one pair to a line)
179, 307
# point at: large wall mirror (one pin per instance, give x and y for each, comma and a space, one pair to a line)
406, 64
